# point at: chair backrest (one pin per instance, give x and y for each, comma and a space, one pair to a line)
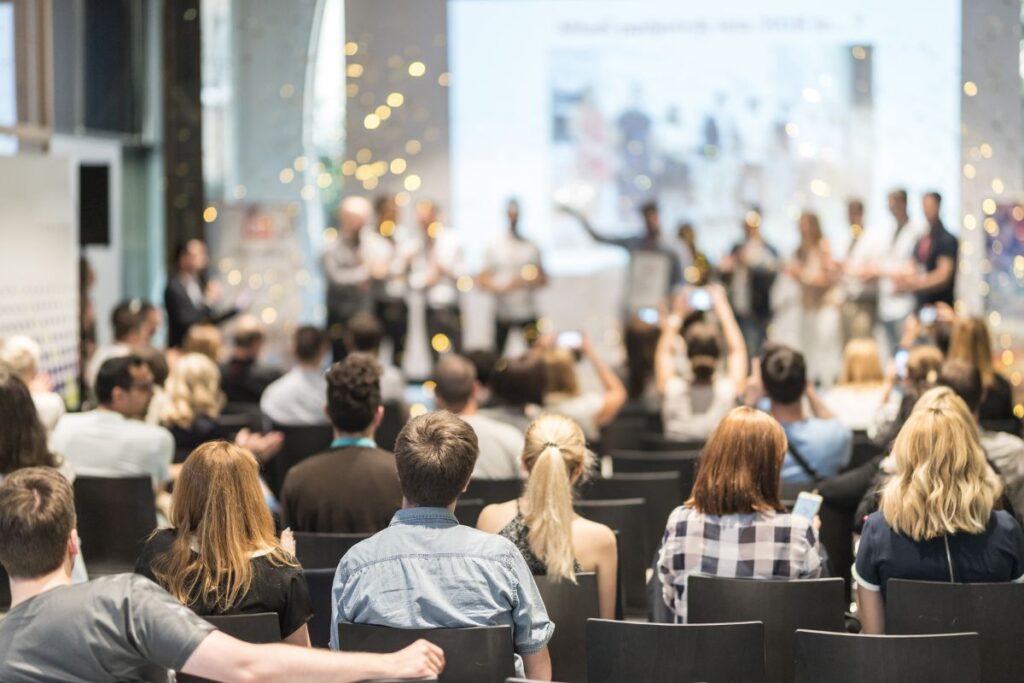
320, 582
623, 432
396, 414
628, 519
324, 551
467, 510
494, 490
115, 516
847, 658
669, 653
300, 442
994, 610
569, 606
683, 462
660, 491
657, 442
782, 606
262, 627
481, 654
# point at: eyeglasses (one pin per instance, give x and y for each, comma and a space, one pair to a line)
144, 386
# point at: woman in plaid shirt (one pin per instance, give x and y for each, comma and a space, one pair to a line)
734, 524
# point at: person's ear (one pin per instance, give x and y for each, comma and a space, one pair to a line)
74, 544
378, 416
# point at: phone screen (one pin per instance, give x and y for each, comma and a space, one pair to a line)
700, 299
648, 315
900, 360
807, 505
928, 316
570, 340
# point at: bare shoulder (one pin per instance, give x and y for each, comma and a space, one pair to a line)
494, 517
592, 533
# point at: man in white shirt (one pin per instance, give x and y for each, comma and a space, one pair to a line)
513, 272
860, 279
501, 445
113, 441
435, 271
299, 397
897, 258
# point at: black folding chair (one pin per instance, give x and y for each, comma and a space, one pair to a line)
320, 583
263, 627
324, 551
782, 606
847, 658
467, 510
660, 491
481, 654
622, 432
569, 606
864, 450
657, 442
994, 610
619, 651
300, 442
494, 490
683, 462
628, 519
115, 516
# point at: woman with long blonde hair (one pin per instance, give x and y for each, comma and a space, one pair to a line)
858, 395
221, 555
937, 520
554, 540
192, 403
970, 341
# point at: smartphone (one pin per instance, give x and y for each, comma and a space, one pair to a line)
807, 504
928, 315
700, 299
900, 360
570, 340
648, 315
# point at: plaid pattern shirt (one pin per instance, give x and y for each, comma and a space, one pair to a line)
759, 545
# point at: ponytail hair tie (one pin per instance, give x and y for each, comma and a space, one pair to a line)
552, 444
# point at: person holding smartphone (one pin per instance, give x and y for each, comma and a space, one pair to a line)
593, 409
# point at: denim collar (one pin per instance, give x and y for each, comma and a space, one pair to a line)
424, 516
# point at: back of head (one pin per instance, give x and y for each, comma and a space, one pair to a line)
741, 464
969, 341
127, 319
784, 374
353, 392
248, 335
483, 361
965, 381
22, 437
923, 365
943, 483
555, 450
519, 382
37, 515
435, 453
22, 355
641, 341
455, 378
205, 339
310, 344
115, 373
560, 372
703, 350
365, 332
156, 361
220, 518
861, 364
192, 389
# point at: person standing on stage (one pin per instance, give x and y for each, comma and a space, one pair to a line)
191, 297
388, 249
936, 257
513, 273
817, 273
750, 269
894, 306
347, 272
435, 270
645, 247
859, 309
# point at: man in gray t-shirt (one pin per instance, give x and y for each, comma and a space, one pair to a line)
126, 628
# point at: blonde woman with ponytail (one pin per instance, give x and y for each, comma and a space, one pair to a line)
554, 540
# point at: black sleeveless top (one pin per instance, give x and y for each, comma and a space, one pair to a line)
517, 532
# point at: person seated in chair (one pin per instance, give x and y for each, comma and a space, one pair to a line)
297, 397
455, 576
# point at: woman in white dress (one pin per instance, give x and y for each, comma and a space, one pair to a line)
817, 274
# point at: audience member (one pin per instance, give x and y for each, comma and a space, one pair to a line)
192, 403
484, 361
693, 404
129, 326
243, 378
125, 627
937, 520
819, 445
220, 555
352, 488
970, 342
1004, 452
458, 576
153, 320
23, 437
206, 339
591, 410
517, 390
22, 355
157, 363
299, 396
191, 297
901, 393
553, 539
641, 342
112, 440
364, 334
501, 444
855, 399
734, 524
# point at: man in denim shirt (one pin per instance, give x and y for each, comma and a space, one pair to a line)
426, 571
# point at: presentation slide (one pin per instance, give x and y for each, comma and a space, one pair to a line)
712, 108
